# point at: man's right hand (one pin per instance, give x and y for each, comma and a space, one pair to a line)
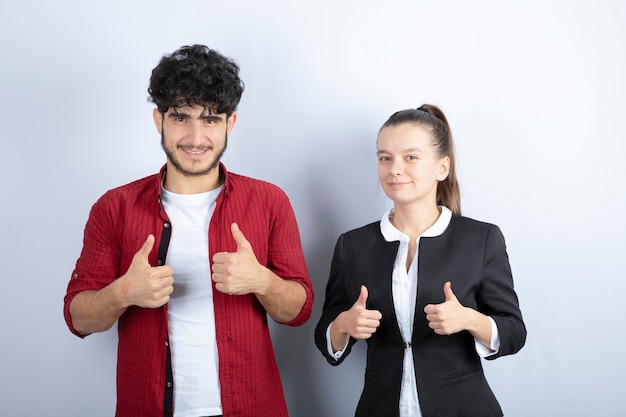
144, 285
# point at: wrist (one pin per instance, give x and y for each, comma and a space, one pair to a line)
269, 282
337, 325
338, 338
479, 326
118, 294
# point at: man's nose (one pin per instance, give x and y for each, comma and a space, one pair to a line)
196, 133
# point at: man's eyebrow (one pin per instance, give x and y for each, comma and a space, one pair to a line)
208, 117
178, 114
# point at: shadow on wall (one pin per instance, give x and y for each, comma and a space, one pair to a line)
300, 363
312, 386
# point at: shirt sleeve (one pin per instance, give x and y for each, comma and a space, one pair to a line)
285, 254
100, 257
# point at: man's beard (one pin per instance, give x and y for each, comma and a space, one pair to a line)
178, 166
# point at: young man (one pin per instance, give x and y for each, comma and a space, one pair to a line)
190, 261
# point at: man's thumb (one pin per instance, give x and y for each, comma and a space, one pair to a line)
145, 249
362, 300
240, 239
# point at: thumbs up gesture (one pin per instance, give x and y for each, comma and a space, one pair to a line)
359, 322
448, 317
239, 272
144, 285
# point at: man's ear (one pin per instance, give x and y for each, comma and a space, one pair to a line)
158, 120
231, 122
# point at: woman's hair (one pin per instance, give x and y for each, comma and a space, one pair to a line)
196, 75
434, 121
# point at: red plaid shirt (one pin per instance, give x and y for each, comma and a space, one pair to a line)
118, 225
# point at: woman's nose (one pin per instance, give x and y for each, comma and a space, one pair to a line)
396, 168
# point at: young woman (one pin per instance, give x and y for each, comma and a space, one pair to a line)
431, 291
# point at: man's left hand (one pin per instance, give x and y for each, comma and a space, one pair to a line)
238, 273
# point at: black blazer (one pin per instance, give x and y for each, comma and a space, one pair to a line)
450, 380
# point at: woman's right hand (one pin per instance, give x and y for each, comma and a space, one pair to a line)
358, 322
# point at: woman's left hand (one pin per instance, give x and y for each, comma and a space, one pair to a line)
448, 317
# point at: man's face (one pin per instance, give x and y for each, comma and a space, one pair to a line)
193, 138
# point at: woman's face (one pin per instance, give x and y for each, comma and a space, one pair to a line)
408, 166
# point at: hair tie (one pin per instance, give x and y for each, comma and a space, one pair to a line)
422, 108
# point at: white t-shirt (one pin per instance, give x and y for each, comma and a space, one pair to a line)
190, 309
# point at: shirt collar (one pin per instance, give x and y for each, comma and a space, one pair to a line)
391, 234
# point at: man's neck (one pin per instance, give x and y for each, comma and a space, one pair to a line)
179, 183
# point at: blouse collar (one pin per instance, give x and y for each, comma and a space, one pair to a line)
391, 234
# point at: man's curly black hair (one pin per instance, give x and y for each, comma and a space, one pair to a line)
196, 75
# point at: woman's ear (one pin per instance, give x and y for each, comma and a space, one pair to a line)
444, 168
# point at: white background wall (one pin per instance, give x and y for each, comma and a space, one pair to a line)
536, 95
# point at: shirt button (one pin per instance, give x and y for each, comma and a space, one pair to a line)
75, 276
166, 225
169, 384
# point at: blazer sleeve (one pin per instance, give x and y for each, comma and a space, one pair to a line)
339, 298
497, 297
